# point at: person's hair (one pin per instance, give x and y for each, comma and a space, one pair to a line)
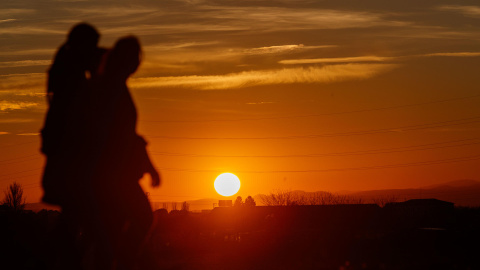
125, 57
83, 34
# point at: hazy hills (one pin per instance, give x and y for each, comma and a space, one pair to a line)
461, 192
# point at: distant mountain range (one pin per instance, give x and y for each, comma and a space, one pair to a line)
460, 192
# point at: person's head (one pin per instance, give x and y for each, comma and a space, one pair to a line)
124, 59
83, 36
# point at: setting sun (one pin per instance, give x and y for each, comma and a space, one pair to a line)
227, 184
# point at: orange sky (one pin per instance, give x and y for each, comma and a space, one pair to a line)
310, 95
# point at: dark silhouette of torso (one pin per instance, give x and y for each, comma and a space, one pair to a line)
65, 124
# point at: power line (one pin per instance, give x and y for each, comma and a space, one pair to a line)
315, 115
20, 161
17, 144
366, 152
376, 167
10, 159
456, 122
3, 175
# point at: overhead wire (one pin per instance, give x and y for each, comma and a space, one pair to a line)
375, 167
316, 115
10, 159
447, 123
365, 152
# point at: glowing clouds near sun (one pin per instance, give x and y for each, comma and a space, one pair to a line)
227, 184
324, 74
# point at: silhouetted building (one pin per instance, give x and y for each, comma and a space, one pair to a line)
224, 203
418, 213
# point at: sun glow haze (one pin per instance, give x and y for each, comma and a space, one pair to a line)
227, 184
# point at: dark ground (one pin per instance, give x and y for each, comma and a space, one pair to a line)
301, 237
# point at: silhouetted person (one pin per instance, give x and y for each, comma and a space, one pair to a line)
63, 144
124, 213
74, 63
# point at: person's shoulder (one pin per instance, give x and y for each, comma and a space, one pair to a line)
61, 54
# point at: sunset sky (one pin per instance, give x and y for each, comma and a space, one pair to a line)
293, 95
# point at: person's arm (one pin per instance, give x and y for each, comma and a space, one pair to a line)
154, 175
149, 167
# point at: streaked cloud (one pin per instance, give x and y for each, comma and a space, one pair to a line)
261, 103
30, 30
456, 54
178, 45
16, 120
28, 134
25, 63
48, 52
7, 20
4, 133
15, 11
282, 49
372, 58
324, 74
115, 11
281, 19
16, 105
168, 29
23, 83
473, 11
355, 59
31, 94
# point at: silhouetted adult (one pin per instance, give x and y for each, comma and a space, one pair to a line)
63, 138
124, 213
74, 62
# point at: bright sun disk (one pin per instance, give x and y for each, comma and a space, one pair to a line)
227, 184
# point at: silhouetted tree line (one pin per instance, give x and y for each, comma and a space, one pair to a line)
14, 199
291, 198
249, 202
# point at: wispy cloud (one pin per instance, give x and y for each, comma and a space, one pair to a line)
178, 45
16, 120
4, 133
473, 11
355, 59
30, 30
48, 52
25, 63
28, 134
7, 20
324, 74
372, 58
195, 57
15, 11
180, 28
16, 105
261, 103
22, 83
456, 54
282, 49
280, 19
115, 11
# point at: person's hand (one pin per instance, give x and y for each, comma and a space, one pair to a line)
155, 178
